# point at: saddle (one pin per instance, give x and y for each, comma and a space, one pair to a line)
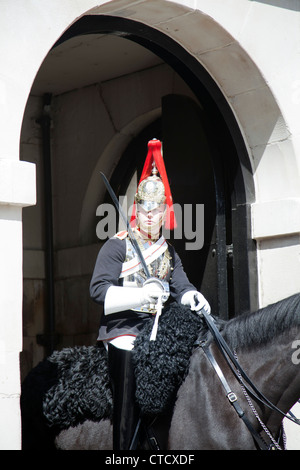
82, 388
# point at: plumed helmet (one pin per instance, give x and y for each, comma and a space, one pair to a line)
154, 190
151, 192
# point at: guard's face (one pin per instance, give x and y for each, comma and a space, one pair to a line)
150, 222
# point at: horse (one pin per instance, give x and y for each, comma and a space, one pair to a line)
200, 415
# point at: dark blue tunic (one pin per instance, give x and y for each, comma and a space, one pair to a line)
107, 273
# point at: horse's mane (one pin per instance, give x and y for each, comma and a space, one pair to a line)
262, 326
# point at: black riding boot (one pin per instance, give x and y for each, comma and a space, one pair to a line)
125, 410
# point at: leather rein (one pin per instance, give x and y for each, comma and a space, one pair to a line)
242, 378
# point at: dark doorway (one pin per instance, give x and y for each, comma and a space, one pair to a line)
189, 163
197, 178
207, 163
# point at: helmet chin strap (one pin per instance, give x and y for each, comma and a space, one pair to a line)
149, 235
153, 232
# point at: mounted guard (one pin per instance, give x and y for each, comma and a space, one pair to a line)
137, 272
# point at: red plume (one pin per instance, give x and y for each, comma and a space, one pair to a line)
154, 154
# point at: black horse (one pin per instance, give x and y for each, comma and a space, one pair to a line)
66, 400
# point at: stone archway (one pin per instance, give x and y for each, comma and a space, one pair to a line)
267, 137
207, 61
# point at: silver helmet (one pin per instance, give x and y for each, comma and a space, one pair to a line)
151, 192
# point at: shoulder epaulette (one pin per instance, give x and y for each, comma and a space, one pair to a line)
121, 235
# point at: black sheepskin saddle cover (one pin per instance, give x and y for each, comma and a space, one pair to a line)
78, 385
83, 391
161, 365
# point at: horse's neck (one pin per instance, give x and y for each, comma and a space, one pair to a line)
274, 372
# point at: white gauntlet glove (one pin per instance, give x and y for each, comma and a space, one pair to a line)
152, 291
196, 301
120, 298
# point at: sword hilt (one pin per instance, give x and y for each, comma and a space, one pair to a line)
165, 293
